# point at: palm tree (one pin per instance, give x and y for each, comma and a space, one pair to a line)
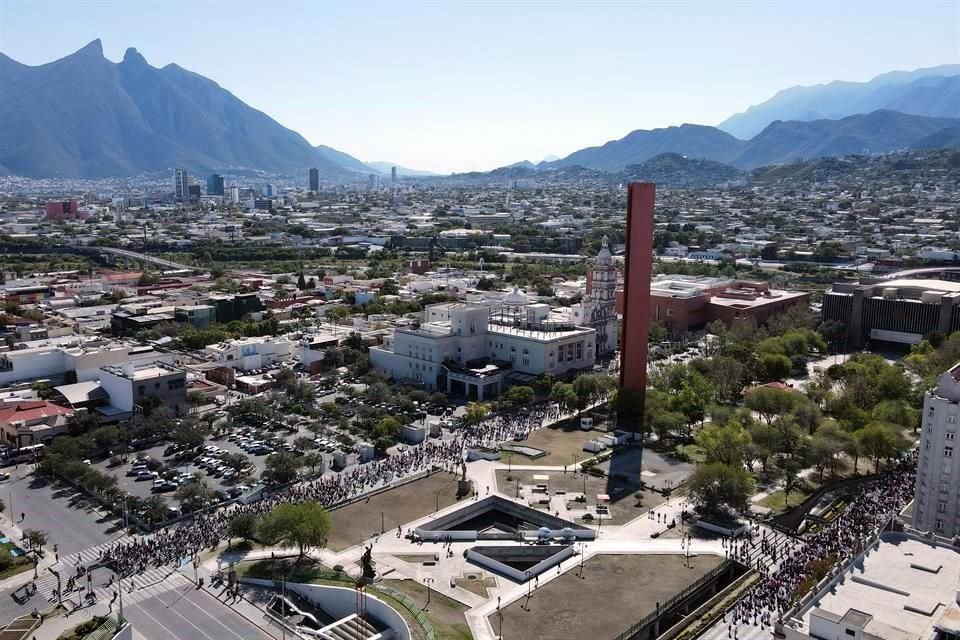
156, 509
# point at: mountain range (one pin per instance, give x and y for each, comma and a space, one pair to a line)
934, 92
880, 131
84, 116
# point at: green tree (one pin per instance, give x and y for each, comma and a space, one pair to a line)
715, 485
194, 495
826, 445
304, 525
189, 434
312, 459
586, 387
878, 441
770, 403
238, 462
772, 367
155, 509
282, 468
726, 444
791, 478
543, 384
565, 397
519, 396
243, 526
36, 538
476, 412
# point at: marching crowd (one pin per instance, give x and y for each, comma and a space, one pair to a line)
785, 561
514, 425
172, 545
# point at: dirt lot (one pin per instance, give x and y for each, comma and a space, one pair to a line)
399, 506
622, 589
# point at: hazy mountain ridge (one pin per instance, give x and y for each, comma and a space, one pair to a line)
639, 146
932, 92
675, 170
877, 132
125, 118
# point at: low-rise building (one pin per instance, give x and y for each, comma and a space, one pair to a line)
33, 422
683, 303
899, 310
131, 385
250, 353
904, 587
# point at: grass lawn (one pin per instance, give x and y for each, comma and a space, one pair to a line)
306, 570
563, 444
691, 452
19, 564
777, 501
445, 613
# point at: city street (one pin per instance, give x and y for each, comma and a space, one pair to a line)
65, 514
189, 613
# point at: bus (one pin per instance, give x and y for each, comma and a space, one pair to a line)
28, 453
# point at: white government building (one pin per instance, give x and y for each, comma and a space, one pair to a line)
474, 349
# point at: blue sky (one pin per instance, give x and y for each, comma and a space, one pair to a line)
457, 86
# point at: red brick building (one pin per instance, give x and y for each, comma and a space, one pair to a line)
682, 303
62, 209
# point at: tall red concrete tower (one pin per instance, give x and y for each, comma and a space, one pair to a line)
636, 287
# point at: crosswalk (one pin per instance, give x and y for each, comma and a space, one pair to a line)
103, 580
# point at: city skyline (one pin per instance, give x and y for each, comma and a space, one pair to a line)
474, 87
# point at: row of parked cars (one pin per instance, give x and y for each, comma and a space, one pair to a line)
258, 444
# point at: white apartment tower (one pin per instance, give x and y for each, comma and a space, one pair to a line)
936, 506
181, 184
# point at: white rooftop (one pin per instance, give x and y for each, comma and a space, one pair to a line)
908, 586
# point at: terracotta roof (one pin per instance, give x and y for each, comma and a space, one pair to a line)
32, 410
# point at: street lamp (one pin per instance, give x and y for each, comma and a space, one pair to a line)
427, 581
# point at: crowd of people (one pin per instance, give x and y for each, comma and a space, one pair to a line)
172, 545
786, 561
512, 425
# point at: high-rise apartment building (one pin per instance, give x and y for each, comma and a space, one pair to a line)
393, 175
936, 504
373, 182
268, 191
181, 184
314, 180
215, 185
235, 194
